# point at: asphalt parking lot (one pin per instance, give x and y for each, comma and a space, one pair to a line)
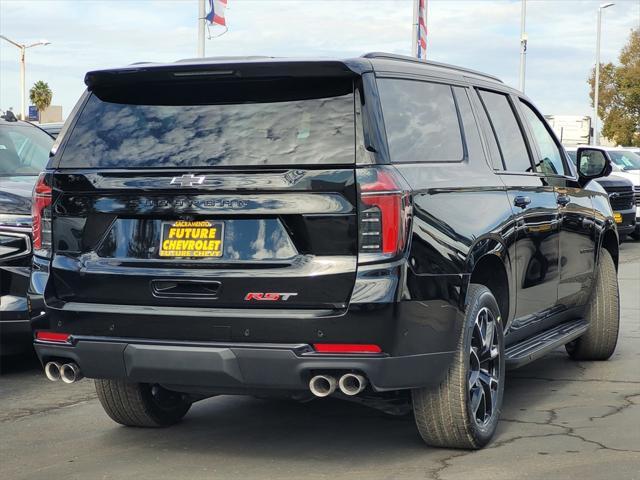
561, 419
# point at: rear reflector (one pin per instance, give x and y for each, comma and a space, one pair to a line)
346, 348
53, 337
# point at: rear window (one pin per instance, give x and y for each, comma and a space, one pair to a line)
220, 123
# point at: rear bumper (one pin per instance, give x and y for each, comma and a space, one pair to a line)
242, 368
15, 329
15, 336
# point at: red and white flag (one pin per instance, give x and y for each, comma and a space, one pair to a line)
422, 30
216, 19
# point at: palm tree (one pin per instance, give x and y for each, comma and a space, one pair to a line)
40, 95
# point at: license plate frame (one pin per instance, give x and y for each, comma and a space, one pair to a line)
193, 239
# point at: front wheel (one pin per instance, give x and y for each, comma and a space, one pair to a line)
602, 313
463, 411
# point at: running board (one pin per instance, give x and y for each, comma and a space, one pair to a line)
542, 343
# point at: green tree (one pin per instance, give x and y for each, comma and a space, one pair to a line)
619, 102
40, 95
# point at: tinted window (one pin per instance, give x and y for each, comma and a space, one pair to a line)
421, 121
492, 143
285, 122
507, 131
469, 125
550, 161
24, 150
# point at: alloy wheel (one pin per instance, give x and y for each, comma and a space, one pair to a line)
484, 367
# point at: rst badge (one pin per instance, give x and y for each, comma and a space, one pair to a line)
268, 296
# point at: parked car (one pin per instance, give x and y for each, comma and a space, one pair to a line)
626, 165
52, 129
24, 151
379, 227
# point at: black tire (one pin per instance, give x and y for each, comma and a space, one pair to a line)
141, 404
445, 415
602, 313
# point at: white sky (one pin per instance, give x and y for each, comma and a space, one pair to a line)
481, 34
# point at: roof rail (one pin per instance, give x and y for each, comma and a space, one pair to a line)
405, 58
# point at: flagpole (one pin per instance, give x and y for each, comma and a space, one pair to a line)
414, 29
523, 45
201, 20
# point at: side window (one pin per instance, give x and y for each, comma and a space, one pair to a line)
492, 143
504, 123
421, 121
469, 124
550, 161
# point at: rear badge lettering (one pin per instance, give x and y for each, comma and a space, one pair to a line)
269, 296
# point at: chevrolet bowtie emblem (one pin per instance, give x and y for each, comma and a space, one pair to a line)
188, 180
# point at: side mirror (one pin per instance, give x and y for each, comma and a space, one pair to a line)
592, 163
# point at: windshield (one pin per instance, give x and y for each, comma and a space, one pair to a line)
24, 150
625, 160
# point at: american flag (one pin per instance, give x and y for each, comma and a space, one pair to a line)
216, 16
422, 30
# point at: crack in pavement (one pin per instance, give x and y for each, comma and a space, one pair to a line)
565, 431
580, 380
22, 413
617, 409
444, 464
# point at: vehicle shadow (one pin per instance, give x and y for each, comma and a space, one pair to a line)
320, 429
24, 362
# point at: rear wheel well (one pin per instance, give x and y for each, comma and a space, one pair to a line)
610, 242
490, 272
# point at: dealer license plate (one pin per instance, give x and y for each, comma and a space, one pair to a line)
617, 217
181, 238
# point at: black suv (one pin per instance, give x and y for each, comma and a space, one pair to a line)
378, 227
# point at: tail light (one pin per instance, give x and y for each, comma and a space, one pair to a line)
384, 213
41, 217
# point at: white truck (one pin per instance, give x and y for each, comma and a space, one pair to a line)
571, 129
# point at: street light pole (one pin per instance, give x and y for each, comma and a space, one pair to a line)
23, 85
596, 85
523, 44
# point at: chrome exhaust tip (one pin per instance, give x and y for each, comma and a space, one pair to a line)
52, 371
322, 385
70, 372
352, 384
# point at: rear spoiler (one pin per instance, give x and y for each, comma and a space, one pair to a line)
253, 67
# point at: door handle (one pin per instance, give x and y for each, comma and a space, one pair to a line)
521, 201
563, 200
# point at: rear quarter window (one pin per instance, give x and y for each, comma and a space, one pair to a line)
241, 123
421, 121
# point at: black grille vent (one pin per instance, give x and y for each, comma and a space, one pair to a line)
14, 245
621, 198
